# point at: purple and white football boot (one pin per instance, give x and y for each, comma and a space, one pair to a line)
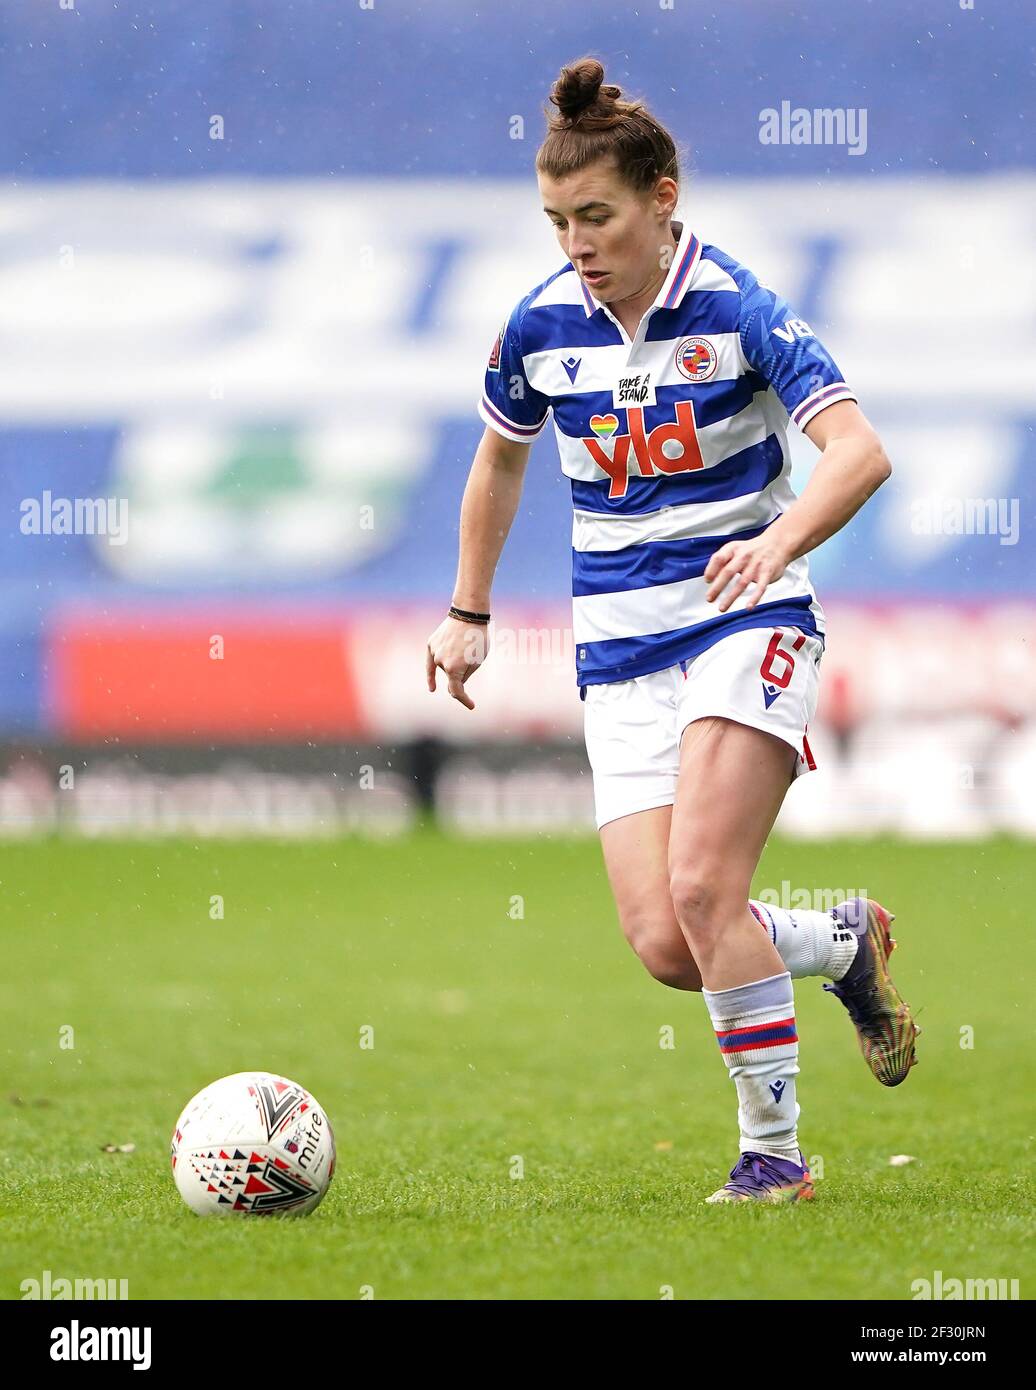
763, 1178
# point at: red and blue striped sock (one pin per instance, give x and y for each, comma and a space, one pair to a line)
755, 1029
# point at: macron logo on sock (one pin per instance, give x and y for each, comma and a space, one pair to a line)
777, 1087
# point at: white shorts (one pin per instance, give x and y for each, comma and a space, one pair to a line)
766, 677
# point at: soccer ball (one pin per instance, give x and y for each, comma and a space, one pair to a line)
253, 1143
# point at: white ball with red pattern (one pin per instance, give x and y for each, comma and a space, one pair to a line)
253, 1144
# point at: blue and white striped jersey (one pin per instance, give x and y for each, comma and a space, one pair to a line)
674, 442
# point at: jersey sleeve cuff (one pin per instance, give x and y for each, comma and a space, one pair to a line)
519, 434
820, 400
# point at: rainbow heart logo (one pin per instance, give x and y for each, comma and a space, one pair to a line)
604, 426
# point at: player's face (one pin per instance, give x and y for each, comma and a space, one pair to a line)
613, 234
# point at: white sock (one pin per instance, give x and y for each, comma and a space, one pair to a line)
755, 1029
809, 943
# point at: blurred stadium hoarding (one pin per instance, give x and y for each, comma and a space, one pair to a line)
236, 419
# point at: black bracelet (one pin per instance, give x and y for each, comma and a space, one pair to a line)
456, 612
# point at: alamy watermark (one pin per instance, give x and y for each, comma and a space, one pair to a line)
79, 1342
807, 899
521, 646
56, 1287
966, 516
940, 1287
76, 516
823, 125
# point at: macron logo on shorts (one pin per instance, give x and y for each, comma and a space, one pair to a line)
770, 693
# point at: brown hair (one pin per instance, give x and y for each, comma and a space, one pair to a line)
593, 122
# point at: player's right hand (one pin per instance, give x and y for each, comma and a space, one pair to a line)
460, 649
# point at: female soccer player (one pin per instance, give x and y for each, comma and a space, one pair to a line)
671, 373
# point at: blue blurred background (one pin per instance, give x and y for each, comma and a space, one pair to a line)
253, 256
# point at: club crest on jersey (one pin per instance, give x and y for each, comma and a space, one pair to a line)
696, 358
633, 390
493, 365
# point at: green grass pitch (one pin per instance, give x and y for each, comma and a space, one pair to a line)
500, 1043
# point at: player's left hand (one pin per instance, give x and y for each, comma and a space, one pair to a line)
738, 565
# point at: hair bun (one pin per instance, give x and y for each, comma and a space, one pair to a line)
581, 86
588, 121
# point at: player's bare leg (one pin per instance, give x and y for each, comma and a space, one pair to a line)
731, 784
840, 945
636, 857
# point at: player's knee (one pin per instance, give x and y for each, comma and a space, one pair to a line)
694, 896
671, 963
700, 905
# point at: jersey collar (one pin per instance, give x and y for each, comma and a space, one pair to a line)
677, 282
